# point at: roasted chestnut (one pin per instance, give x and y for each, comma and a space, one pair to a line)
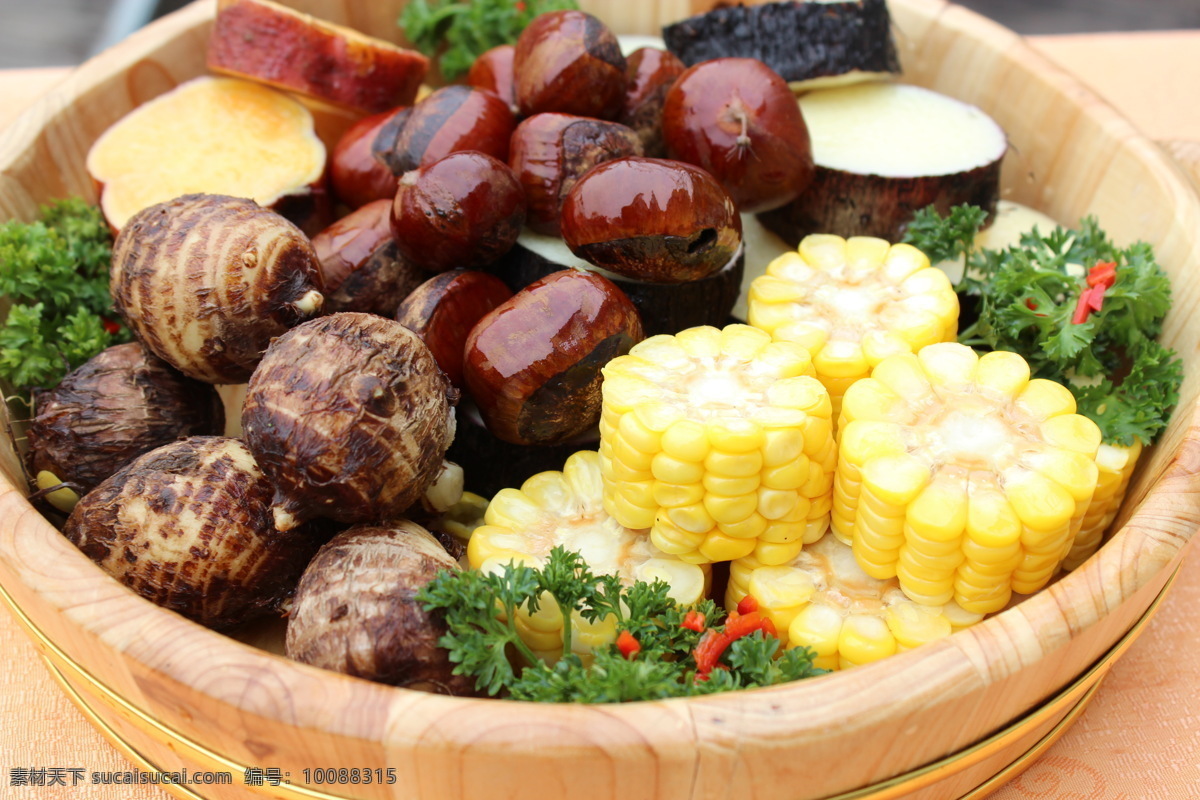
569, 61
651, 73
444, 309
451, 119
359, 166
533, 363
652, 219
493, 72
739, 120
465, 210
362, 267
550, 152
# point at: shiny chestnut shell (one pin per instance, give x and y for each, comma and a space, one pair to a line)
550, 152
452, 119
464, 210
493, 72
651, 73
739, 120
652, 219
569, 61
359, 165
362, 267
533, 363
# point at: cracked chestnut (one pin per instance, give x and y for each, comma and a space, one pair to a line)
652, 219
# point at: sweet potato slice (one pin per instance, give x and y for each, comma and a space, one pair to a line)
267, 42
214, 136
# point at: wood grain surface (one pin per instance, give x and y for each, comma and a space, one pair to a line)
1129, 754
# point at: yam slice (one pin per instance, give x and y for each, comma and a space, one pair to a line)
267, 42
213, 136
883, 151
808, 42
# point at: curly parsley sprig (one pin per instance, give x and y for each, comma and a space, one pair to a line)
456, 32
54, 272
1081, 310
660, 662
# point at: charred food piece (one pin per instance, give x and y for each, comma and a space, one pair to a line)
550, 152
462, 211
571, 62
188, 527
355, 610
362, 267
652, 219
802, 40
206, 281
350, 416
532, 365
120, 404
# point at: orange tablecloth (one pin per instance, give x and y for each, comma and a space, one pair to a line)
1138, 740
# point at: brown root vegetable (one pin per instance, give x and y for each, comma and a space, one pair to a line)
188, 527
651, 73
464, 210
216, 135
360, 165
268, 42
350, 416
883, 152
355, 610
443, 310
206, 281
361, 265
550, 152
120, 404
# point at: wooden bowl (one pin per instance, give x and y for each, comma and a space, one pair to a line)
935, 722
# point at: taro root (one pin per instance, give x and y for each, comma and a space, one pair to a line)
493, 72
444, 309
804, 42
464, 210
188, 527
350, 416
652, 219
360, 167
532, 365
355, 610
206, 281
550, 152
651, 73
885, 151
216, 135
267, 42
121, 403
452, 119
738, 120
571, 62
362, 268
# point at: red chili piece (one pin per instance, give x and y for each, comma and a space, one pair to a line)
739, 625
628, 644
1103, 274
1091, 299
110, 327
693, 620
747, 604
708, 651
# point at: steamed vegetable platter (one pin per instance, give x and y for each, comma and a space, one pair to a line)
667, 318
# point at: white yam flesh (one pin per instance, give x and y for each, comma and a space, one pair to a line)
883, 152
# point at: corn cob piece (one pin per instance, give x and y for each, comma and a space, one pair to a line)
824, 600
962, 477
720, 442
565, 508
852, 303
1116, 468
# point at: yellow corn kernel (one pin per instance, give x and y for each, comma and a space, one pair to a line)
1116, 465
1003, 374
1043, 399
864, 639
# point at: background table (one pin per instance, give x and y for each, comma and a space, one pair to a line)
1138, 740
